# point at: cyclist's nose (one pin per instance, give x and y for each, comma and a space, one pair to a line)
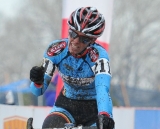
76, 40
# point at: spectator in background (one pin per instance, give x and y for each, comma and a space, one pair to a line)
9, 98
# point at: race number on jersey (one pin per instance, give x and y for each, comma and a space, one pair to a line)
49, 66
102, 67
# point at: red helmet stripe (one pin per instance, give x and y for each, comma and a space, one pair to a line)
99, 30
81, 12
86, 19
70, 18
97, 16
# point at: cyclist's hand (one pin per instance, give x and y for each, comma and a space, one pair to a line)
37, 74
105, 122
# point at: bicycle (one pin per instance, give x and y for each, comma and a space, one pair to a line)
66, 126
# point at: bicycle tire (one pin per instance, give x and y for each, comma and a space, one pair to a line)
30, 121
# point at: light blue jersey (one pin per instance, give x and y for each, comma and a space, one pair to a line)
85, 78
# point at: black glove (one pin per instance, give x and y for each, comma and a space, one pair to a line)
104, 122
37, 74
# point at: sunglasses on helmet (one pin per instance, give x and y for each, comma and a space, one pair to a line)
83, 39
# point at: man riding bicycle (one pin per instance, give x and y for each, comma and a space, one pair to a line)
84, 67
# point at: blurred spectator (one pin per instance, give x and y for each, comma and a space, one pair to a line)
10, 98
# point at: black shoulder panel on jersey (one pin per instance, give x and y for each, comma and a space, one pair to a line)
56, 48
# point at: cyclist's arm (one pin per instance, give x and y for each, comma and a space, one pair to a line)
102, 84
52, 56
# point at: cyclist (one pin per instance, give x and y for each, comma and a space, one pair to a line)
84, 67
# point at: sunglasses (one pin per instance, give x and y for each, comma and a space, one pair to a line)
83, 39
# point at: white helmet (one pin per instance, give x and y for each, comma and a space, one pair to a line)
88, 21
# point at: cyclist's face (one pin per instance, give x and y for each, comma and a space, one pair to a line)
78, 41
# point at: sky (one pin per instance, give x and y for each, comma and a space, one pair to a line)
9, 7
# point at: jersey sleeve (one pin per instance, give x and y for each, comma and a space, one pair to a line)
102, 82
51, 58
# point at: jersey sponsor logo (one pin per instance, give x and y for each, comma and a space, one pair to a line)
77, 81
93, 53
55, 49
102, 67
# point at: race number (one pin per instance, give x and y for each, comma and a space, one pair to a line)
102, 67
49, 66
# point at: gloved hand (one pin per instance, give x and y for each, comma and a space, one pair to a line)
37, 74
105, 122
